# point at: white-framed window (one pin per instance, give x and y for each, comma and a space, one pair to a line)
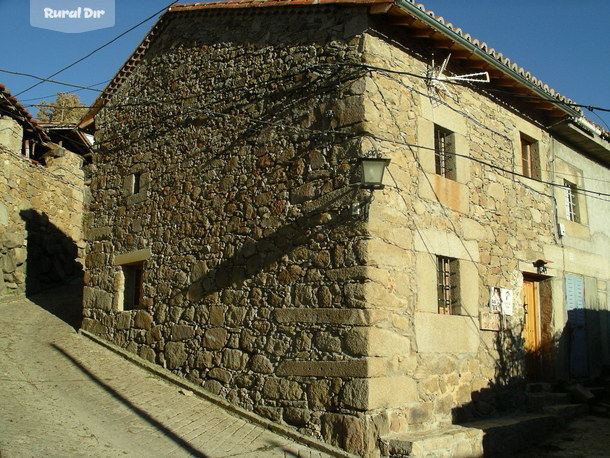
572, 207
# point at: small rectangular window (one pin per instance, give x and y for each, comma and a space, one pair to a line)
447, 285
572, 209
136, 183
132, 293
530, 159
444, 152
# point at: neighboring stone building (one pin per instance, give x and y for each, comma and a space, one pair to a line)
41, 206
230, 243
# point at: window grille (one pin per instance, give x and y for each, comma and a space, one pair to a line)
446, 285
444, 153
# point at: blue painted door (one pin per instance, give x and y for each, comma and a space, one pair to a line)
577, 326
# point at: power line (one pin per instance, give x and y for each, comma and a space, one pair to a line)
591, 193
283, 126
98, 49
47, 80
313, 68
54, 95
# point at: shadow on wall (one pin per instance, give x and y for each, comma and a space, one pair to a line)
256, 255
53, 278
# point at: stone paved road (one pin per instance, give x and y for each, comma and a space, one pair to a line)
586, 437
62, 395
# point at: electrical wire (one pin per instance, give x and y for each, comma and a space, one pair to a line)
55, 94
49, 81
78, 61
319, 66
279, 125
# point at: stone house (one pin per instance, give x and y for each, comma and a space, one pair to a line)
229, 240
42, 202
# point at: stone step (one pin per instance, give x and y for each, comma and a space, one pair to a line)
567, 412
536, 402
451, 441
506, 436
538, 387
502, 436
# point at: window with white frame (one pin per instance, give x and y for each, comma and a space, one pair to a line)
572, 208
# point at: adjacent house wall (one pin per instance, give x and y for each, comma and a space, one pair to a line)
41, 220
583, 251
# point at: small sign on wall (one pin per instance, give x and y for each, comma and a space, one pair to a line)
500, 300
507, 301
489, 321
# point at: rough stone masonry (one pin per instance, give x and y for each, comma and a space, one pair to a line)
223, 170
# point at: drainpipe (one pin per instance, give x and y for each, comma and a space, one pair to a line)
584, 123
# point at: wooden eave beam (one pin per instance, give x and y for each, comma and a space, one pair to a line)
422, 33
381, 8
505, 82
401, 20
443, 44
461, 55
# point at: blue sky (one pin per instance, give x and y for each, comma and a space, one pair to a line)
565, 43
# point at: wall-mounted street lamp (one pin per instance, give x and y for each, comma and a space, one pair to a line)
371, 172
371, 178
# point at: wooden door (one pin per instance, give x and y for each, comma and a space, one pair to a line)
531, 329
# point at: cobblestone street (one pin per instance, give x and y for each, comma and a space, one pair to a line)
588, 436
63, 395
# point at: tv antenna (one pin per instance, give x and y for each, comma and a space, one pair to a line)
437, 77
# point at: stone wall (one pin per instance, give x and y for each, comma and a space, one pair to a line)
41, 220
491, 221
254, 267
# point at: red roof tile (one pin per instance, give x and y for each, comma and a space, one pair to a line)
11, 107
263, 3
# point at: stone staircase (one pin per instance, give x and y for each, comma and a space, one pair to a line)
451, 441
546, 411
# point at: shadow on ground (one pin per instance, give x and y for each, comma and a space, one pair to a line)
184, 445
54, 277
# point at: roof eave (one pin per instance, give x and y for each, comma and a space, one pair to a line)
479, 53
